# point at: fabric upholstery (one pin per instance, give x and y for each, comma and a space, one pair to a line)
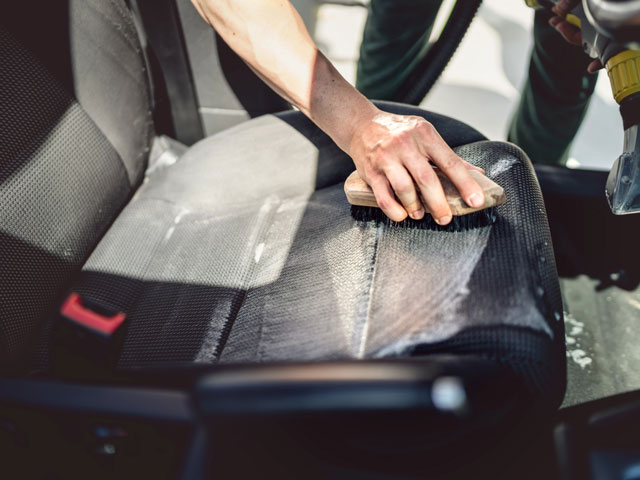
245, 251
67, 165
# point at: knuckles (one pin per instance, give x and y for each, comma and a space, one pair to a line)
447, 163
373, 166
393, 142
401, 138
426, 177
426, 127
401, 134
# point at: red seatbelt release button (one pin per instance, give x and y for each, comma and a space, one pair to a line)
92, 317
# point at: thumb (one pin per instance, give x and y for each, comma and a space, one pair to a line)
594, 66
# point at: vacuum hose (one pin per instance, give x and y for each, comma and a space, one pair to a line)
427, 71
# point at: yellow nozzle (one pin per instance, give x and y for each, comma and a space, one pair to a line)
573, 20
624, 73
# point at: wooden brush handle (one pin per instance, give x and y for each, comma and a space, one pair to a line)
359, 193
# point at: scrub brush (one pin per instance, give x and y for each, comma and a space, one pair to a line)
365, 208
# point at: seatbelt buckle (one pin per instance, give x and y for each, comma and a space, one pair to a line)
88, 337
95, 318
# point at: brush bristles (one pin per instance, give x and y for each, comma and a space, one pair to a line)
482, 218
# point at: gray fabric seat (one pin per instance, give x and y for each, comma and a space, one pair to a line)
245, 251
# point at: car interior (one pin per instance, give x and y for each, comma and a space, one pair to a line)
242, 323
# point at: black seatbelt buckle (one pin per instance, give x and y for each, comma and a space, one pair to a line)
88, 337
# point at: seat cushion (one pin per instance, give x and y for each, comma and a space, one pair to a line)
245, 251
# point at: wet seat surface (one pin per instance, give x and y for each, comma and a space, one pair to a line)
245, 251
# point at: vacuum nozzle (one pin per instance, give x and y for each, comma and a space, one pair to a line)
603, 24
623, 183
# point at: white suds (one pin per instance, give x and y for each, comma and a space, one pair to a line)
573, 330
501, 166
580, 357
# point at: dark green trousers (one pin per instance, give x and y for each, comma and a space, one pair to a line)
396, 37
554, 98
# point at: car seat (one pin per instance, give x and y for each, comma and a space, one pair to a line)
243, 251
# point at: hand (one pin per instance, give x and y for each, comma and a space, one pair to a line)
391, 152
570, 33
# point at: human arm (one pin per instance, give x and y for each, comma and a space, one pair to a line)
391, 152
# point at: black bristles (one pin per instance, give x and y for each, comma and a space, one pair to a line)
482, 218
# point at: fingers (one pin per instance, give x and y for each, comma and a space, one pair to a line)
385, 198
573, 36
564, 6
568, 31
402, 184
430, 188
392, 154
594, 66
454, 167
468, 166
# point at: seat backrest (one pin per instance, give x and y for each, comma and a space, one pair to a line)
76, 128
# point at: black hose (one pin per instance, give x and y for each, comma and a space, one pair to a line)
426, 72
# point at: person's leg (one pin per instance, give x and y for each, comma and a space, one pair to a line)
395, 38
555, 97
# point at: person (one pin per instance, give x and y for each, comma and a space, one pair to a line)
392, 153
553, 101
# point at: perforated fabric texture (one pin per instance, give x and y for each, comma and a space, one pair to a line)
76, 129
371, 290
61, 183
91, 48
245, 251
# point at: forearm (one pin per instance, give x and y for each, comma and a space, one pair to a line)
391, 152
291, 63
